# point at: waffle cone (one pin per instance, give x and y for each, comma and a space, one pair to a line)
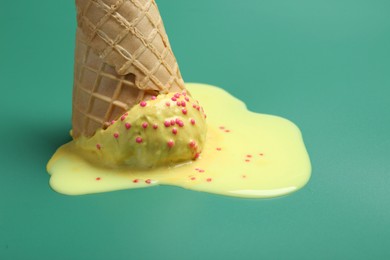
122, 56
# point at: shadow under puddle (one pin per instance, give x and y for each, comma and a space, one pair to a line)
39, 143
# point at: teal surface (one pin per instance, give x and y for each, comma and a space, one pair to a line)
322, 64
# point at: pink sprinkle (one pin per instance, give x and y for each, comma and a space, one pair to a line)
123, 117
143, 104
167, 124
128, 125
183, 103
148, 181
155, 126
173, 99
174, 131
219, 149
116, 135
187, 99
180, 123
138, 139
196, 155
168, 104
171, 143
192, 121
145, 125
135, 180
184, 93
192, 144
184, 111
209, 179
113, 122
173, 122
178, 103
177, 95
193, 178
198, 108
194, 106
98, 178
98, 146
153, 98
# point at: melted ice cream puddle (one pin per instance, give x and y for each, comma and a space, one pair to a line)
246, 155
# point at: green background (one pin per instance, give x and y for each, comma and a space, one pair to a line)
322, 64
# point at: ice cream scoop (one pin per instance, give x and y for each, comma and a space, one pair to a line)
165, 130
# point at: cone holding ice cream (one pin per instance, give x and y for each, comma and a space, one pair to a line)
128, 86
122, 56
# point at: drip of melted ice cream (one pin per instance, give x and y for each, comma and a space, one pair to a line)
245, 154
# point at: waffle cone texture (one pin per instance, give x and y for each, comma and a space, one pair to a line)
122, 56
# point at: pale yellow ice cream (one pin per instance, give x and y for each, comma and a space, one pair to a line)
166, 130
245, 154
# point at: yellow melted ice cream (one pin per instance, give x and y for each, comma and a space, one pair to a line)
245, 155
